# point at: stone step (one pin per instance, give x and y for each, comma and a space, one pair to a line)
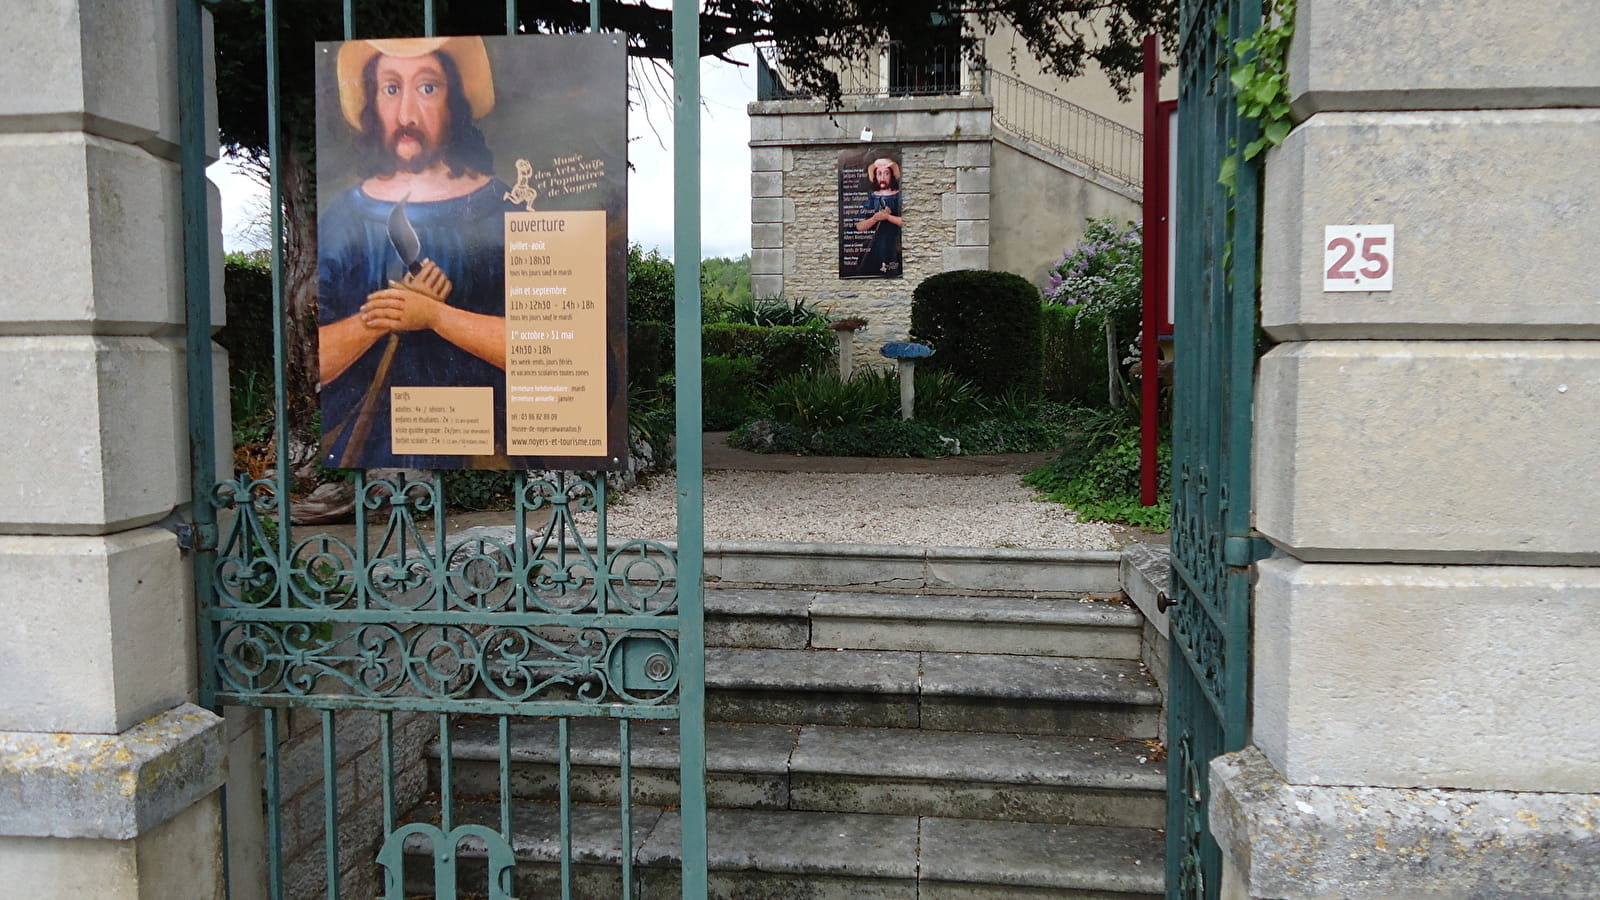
792, 619
938, 691
849, 856
1010, 625
1035, 778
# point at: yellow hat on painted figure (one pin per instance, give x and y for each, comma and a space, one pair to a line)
472, 62
883, 161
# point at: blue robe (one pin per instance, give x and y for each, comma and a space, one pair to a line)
465, 237
882, 258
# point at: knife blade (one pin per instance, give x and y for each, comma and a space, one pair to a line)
403, 237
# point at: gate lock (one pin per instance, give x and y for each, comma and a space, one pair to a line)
643, 662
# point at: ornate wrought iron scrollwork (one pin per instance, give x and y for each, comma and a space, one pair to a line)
1191, 868
401, 613
498, 856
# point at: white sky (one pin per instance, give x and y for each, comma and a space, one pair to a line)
724, 163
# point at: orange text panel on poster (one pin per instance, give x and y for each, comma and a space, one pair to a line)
455, 420
556, 333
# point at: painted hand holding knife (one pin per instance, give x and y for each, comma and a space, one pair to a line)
395, 309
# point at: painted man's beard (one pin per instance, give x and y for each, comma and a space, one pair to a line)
423, 161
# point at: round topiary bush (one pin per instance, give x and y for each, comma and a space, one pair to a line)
983, 326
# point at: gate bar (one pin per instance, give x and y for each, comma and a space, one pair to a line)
330, 802
280, 312
274, 798
192, 144
625, 767
691, 484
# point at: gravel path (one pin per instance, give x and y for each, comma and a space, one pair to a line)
902, 509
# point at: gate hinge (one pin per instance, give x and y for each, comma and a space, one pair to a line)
1242, 551
194, 536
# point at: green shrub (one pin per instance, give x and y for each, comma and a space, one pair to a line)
943, 398
778, 351
1101, 281
247, 293
823, 401
650, 286
647, 355
726, 388
896, 437
983, 326
766, 313
252, 375
1097, 475
1073, 357
480, 488
882, 437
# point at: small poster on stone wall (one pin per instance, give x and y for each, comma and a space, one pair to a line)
472, 259
869, 213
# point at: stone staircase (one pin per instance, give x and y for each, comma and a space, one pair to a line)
866, 745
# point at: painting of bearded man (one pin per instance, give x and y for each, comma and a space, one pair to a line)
436, 320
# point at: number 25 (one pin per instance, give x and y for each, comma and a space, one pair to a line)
1372, 253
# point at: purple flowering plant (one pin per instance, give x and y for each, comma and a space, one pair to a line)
1101, 280
1101, 275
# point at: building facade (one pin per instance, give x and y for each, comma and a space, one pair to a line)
1001, 166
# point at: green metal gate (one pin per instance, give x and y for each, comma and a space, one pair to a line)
360, 653
1212, 547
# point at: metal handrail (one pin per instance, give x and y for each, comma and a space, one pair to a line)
1028, 112
941, 71
1063, 127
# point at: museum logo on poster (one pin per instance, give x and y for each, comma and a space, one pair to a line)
472, 257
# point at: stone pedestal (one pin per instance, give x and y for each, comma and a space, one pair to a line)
1421, 691
108, 773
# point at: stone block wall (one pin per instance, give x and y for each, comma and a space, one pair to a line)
108, 772
1421, 691
945, 157
358, 780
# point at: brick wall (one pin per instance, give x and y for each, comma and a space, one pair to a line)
359, 781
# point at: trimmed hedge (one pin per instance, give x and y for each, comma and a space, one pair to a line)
725, 391
778, 350
984, 327
1074, 358
247, 292
649, 356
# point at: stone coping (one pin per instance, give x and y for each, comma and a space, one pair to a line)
110, 786
1302, 842
867, 104
1083, 170
1146, 573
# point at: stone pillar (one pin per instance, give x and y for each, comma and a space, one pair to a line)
108, 772
1424, 693
770, 212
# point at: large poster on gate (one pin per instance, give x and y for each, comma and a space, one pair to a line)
870, 213
472, 252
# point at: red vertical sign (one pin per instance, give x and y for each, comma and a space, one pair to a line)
1156, 248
